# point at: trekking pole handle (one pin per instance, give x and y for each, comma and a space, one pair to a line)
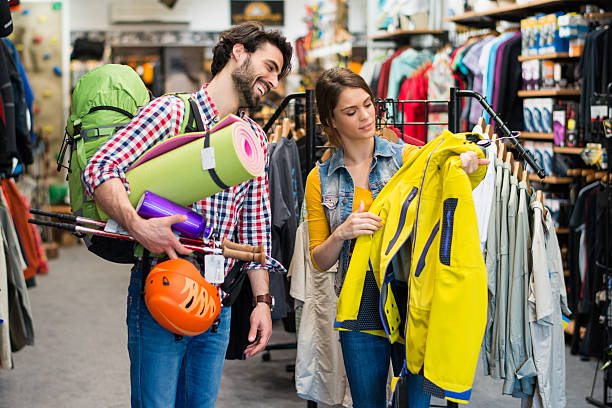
61, 225
241, 247
258, 257
61, 216
68, 217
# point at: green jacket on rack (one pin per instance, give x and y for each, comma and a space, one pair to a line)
429, 240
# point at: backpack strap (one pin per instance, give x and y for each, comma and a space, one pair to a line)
193, 122
198, 118
111, 108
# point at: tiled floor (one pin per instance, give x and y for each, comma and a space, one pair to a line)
80, 358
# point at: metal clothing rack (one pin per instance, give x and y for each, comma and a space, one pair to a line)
606, 267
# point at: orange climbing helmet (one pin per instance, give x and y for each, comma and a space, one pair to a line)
180, 299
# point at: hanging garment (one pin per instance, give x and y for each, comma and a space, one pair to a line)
509, 104
491, 265
6, 361
547, 302
20, 311
499, 323
286, 195
8, 141
22, 128
319, 368
520, 367
446, 275
483, 192
20, 217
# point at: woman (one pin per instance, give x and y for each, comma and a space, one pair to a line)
339, 193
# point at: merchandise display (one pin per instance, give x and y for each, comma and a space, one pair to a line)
207, 169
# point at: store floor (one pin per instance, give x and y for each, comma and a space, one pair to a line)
80, 358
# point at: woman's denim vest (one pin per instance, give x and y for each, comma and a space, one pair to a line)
338, 189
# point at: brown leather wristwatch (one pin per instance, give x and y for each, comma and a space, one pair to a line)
267, 299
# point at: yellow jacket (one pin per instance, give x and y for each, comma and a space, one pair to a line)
429, 240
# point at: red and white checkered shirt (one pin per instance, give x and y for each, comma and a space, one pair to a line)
241, 213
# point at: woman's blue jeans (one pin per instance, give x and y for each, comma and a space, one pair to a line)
169, 371
366, 360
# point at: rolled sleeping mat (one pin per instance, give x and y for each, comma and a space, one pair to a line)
151, 205
202, 166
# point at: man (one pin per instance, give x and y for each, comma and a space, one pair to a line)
167, 370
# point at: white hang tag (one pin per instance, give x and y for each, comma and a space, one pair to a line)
208, 158
214, 268
113, 227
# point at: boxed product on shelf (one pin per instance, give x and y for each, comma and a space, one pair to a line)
529, 36
572, 124
548, 74
549, 39
544, 156
574, 27
537, 114
559, 117
564, 74
531, 75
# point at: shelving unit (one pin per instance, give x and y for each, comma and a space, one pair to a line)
519, 11
551, 180
536, 136
400, 35
552, 56
549, 92
568, 150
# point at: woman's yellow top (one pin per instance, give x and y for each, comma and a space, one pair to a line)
318, 227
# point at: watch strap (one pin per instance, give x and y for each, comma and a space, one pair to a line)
267, 299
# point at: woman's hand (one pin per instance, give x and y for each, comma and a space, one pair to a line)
470, 161
358, 223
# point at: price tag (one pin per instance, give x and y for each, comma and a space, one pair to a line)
214, 268
114, 227
208, 158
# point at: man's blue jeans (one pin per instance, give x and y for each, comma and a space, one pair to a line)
366, 360
167, 371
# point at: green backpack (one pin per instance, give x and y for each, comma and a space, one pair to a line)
103, 101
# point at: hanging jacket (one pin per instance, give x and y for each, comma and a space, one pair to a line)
429, 222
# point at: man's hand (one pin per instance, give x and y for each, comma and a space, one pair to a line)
156, 236
261, 323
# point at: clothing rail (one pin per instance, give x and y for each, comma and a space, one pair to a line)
308, 95
453, 124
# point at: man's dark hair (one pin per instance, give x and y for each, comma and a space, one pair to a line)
252, 35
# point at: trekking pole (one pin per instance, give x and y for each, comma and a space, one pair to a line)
88, 221
68, 217
228, 249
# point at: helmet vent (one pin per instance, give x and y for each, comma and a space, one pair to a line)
165, 281
188, 305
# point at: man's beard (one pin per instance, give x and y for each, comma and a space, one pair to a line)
244, 81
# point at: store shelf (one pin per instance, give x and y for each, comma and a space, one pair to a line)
554, 55
536, 136
404, 34
562, 230
549, 92
551, 180
519, 11
568, 150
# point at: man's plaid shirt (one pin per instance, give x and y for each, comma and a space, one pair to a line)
240, 213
